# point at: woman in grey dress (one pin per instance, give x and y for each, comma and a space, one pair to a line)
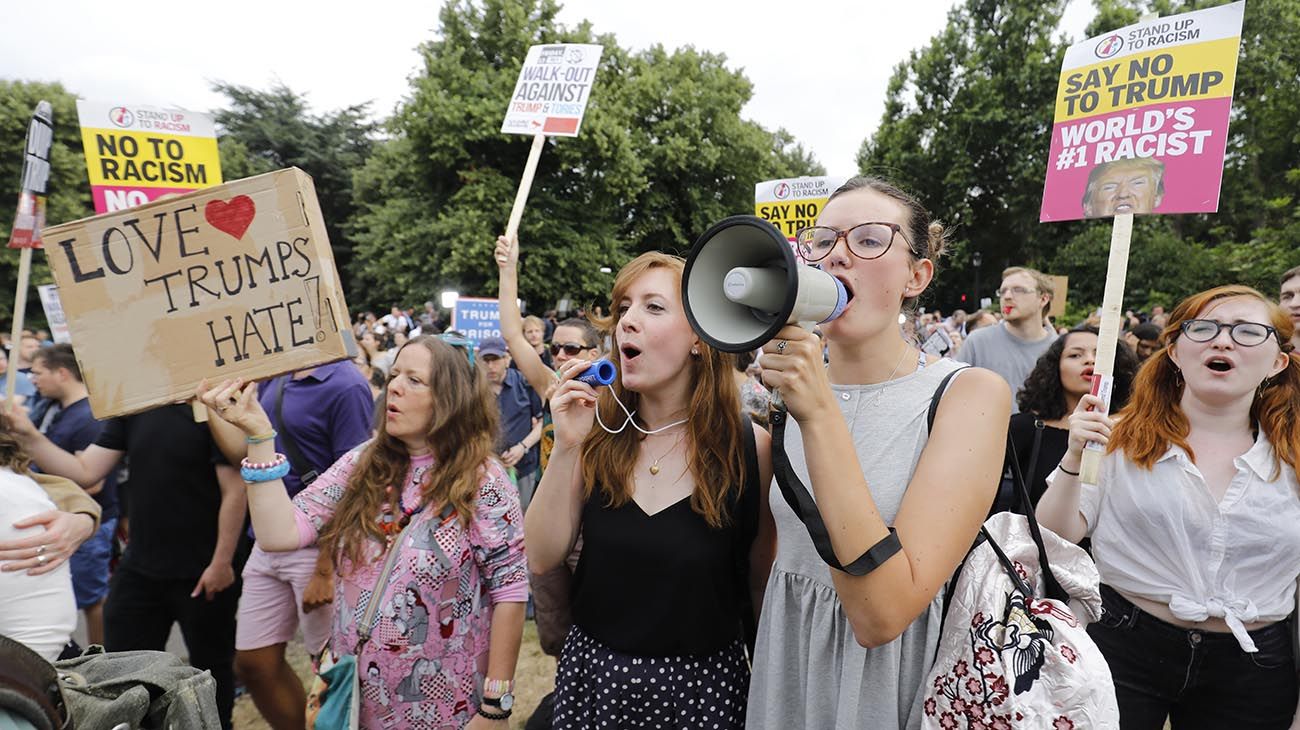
850, 651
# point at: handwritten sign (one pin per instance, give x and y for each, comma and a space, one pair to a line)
554, 86
226, 282
1142, 118
136, 154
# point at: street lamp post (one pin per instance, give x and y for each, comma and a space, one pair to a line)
975, 260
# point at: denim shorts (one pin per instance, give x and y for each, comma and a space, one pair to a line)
89, 566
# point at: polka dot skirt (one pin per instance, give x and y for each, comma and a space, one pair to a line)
597, 688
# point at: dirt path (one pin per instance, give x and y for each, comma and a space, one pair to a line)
534, 677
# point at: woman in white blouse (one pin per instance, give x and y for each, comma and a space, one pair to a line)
1195, 520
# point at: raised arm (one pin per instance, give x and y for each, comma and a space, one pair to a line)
555, 513
1058, 508
268, 502
540, 377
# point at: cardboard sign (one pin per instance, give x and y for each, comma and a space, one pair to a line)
54, 312
477, 318
1060, 290
554, 86
1142, 118
236, 281
793, 204
30, 218
137, 154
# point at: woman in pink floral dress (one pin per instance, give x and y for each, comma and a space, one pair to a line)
446, 635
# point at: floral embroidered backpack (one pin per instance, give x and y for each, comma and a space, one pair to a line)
1014, 651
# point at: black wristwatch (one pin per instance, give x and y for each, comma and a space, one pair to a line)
505, 703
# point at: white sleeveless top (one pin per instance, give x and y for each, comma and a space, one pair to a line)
1160, 535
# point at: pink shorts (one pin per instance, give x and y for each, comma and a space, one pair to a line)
270, 608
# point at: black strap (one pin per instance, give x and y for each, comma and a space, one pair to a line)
1052, 587
306, 474
797, 496
746, 517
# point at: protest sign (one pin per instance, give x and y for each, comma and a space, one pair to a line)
550, 97
30, 218
794, 203
554, 86
477, 318
54, 312
136, 154
1060, 289
1141, 118
236, 281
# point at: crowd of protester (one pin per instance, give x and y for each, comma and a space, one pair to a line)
410, 508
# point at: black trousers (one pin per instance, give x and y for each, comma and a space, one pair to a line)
140, 611
1196, 679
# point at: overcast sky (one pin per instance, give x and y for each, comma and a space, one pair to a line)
819, 69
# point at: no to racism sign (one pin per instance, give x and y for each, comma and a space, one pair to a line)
137, 154
1142, 118
554, 86
794, 203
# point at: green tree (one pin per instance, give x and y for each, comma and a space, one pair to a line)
966, 127
68, 197
272, 129
662, 154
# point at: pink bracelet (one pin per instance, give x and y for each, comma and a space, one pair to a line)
278, 460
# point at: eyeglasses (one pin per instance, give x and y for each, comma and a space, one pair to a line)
570, 349
866, 240
1013, 291
1246, 334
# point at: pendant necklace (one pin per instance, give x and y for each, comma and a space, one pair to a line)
654, 468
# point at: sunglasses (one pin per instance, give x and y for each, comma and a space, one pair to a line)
570, 349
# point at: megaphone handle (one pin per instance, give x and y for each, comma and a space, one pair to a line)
777, 400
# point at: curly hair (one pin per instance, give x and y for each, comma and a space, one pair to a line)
12, 453
1042, 393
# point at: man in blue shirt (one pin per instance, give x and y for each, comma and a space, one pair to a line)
69, 423
521, 416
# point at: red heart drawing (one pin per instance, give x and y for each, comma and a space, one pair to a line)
231, 217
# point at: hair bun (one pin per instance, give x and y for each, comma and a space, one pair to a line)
936, 240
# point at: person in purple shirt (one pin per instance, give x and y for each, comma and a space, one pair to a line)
318, 415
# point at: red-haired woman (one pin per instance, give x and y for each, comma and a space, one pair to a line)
1195, 520
677, 539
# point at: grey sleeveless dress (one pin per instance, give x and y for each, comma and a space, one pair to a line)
809, 671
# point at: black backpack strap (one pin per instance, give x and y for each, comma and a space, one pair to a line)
1052, 587
306, 473
746, 517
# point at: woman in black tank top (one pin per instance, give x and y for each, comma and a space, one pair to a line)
665, 481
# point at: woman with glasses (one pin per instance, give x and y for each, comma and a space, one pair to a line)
661, 475
421, 517
1195, 519
850, 650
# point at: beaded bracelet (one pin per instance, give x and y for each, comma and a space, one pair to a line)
262, 438
254, 472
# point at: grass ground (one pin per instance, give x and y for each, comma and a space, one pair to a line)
534, 677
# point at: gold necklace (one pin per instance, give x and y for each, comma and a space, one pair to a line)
654, 468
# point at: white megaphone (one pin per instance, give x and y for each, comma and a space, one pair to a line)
742, 284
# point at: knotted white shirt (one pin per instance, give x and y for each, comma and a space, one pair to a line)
1160, 535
